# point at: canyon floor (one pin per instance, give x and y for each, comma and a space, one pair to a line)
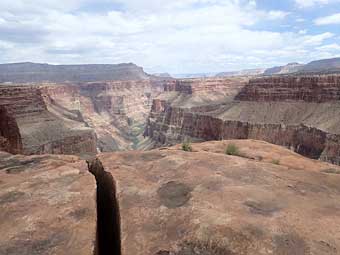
266, 200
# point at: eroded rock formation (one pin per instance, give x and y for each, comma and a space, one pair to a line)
76, 118
301, 113
268, 200
36, 130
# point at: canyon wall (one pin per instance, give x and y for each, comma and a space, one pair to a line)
76, 118
10, 139
300, 113
31, 129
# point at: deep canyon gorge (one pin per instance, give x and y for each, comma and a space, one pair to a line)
298, 112
96, 166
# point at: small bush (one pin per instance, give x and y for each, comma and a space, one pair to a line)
276, 161
232, 149
186, 146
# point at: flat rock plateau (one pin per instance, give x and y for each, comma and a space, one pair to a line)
267, 200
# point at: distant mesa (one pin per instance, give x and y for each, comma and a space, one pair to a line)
324, 66
247, 72
289, 68
34, 72
162, 75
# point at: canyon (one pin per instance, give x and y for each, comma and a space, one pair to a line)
75, 118
298, 112
97, 167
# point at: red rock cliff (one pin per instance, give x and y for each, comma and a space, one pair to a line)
301, 113
10, 139
305, 88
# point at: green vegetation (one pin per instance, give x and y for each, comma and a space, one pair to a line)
233, 150
276, 161
186, 146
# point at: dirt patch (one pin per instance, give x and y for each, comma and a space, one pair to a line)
199, 248
152, 157
290, 244
262, 208
331, 171
174, 194
79, 214
15, 166
37, 247
11, 197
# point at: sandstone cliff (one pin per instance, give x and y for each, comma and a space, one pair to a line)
76, 118
301, 113
31, 129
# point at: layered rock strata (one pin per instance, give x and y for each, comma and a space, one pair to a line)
301, 113
33, 129
76, 118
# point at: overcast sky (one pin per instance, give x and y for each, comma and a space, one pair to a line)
175, 36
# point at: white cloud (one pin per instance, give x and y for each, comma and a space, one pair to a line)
329, 47
313, 3
328, 20
181, 36
272, 15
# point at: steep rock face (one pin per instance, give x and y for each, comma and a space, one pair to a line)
269, 200
116, 111
32, 72
305, 88
208, 85
301, 113
10, 139
35, 129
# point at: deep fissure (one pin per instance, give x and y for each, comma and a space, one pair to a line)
108, 239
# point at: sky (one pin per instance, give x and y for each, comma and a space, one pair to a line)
174, 36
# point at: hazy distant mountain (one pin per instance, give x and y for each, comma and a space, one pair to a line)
162, 75
193, 75
324, 65
245, 72
289, 68
32, 72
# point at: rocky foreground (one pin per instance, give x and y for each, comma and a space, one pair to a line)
264, 200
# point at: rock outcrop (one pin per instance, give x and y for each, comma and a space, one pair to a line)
301, 113
47, 205
34, 73
268, 200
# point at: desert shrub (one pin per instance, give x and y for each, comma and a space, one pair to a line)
276, 161
186, 146
232, 149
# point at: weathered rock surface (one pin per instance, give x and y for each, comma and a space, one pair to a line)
268, 200
47, 205
33, 72
205, 202
301, 113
